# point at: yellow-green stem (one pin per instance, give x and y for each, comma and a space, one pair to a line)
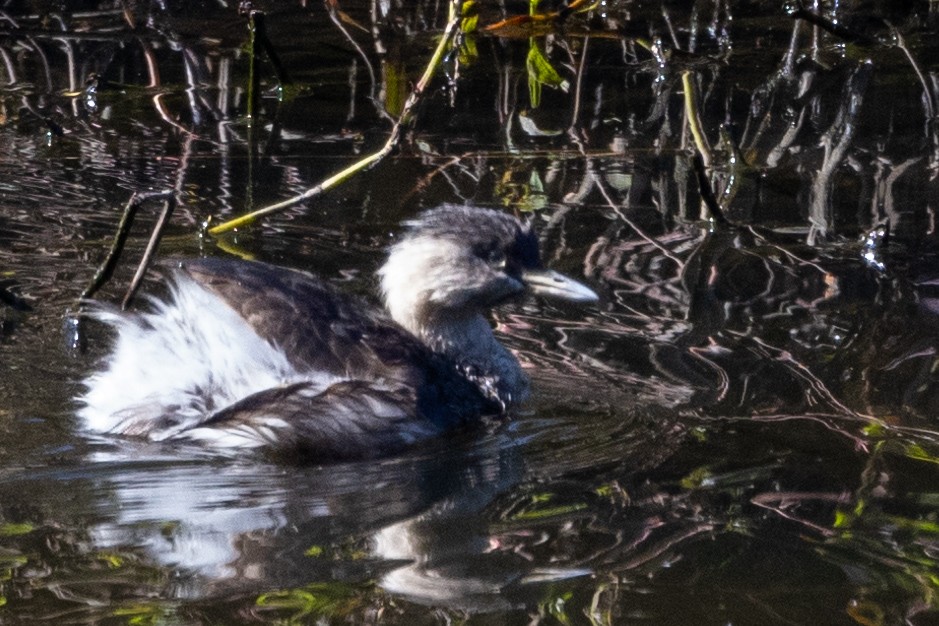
694, 120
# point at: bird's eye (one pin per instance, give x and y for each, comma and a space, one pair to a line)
496, 258
493, 255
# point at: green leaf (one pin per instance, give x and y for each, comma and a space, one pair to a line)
298, 601
541, 72
534, 91
113, 561
470, 18
697, 478
548, 512
557, 609
319, 599
12, 530
535, 198
396, 88
915, 451
468, 24
142, 614
9, 562
843, 519
917, 525
468, 51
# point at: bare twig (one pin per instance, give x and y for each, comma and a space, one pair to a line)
169, 203
106, 270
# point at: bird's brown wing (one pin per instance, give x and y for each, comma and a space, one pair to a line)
318, 327
390, 373
348, 420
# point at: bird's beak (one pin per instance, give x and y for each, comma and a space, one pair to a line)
552, 284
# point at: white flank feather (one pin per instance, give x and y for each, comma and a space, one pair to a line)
173, 367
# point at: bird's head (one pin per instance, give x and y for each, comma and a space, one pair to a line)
456, 261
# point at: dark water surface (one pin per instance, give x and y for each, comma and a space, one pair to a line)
744, 431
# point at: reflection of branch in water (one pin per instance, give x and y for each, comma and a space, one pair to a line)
929, 99
778, 502
153, 68
616, 209
825, 419
835, 142
443, 170
165, 115
656, 550
407, 116
196, 76
723, 378
832, 26
884, 201
788, 253
8, 63
802, 371
72, 70
334, 15
781, 88
153, 71
578, 85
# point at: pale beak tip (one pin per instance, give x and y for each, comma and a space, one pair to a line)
554, 284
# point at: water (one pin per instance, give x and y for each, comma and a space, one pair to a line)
743, 431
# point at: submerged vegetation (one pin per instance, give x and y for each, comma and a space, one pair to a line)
744, 432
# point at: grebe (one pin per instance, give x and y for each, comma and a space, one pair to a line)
247, 355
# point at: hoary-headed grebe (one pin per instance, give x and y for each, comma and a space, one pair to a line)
247, 355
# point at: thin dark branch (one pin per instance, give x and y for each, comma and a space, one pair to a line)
169, 204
